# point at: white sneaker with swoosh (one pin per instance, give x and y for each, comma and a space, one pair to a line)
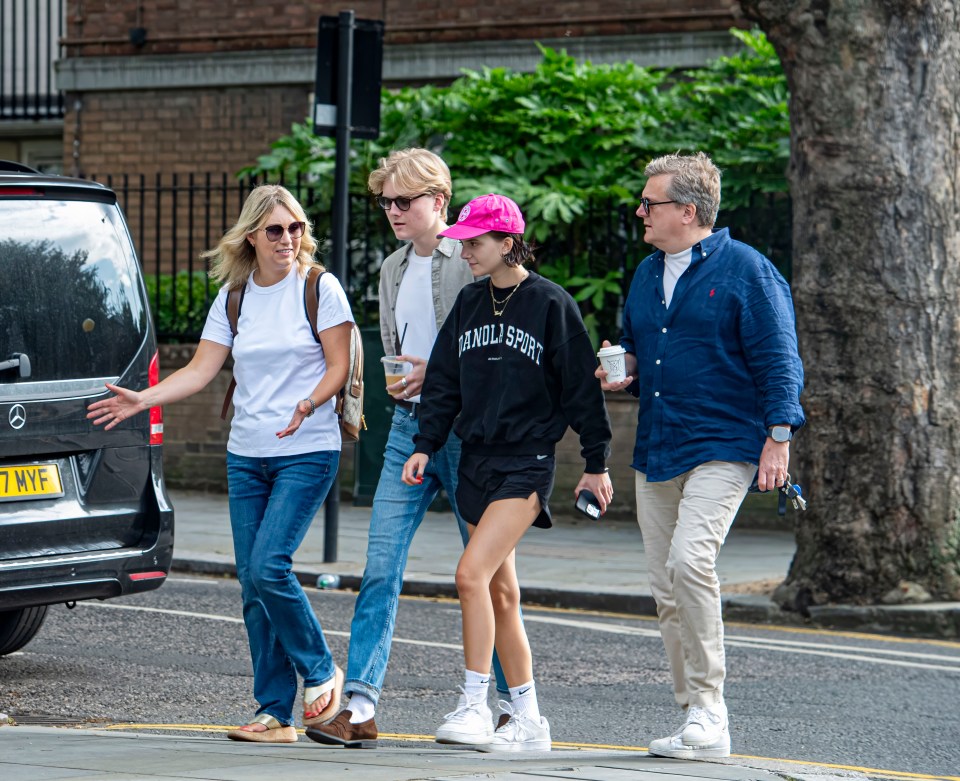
520, 733
470, 724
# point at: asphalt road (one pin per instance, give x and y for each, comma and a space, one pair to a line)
178, 656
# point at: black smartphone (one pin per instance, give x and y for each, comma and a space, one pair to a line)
587, 504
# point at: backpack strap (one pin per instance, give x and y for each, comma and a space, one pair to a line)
311, 299
234, 304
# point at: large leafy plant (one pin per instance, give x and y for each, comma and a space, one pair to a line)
569, 142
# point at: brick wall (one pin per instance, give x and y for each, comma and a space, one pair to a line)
188, 26
140, 130
179, 131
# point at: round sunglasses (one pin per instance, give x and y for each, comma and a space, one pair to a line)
275, 232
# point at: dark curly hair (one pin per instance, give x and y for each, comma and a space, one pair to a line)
519, 253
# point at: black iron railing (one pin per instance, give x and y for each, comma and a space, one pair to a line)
30, 31
173, 218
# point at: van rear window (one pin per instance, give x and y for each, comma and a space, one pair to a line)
70, 295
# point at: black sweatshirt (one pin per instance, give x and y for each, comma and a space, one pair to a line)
516, 381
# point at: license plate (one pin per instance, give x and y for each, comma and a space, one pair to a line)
37, 481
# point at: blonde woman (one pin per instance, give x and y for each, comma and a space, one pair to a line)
284, 444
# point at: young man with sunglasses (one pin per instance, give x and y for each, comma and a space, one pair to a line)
711, 350
419, 284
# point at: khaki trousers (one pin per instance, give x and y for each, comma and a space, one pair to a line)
684, 521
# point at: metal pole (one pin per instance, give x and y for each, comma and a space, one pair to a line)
341, 217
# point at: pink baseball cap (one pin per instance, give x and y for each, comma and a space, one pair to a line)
484, 214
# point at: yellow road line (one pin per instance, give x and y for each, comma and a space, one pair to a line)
869, 771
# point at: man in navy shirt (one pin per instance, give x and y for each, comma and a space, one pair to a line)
711, 354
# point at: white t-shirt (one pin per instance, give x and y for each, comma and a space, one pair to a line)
674, 266
414, 310
277, 362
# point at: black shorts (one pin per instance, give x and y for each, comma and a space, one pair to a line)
484, 480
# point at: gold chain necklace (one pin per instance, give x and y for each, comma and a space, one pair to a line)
501, 304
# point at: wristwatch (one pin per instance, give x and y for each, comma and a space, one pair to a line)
780, 433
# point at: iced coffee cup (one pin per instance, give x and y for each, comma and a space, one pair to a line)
613, 359
395, 369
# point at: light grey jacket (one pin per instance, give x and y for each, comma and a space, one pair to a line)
449, 274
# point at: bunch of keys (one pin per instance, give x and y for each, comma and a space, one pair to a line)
792, 492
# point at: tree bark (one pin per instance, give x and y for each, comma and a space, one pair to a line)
875, 180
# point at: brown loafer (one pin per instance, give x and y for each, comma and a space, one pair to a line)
340, 732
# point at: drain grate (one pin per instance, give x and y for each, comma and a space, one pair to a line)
46, 719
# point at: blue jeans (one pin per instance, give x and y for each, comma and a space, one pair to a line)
398, 510
272, 503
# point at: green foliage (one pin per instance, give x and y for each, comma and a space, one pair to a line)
945, 559
187, 314
736, 110
569, 143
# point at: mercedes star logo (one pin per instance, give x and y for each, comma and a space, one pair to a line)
17, 416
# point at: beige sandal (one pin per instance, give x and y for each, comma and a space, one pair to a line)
313, 693
275, 732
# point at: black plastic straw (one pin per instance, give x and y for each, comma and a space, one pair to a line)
402, 336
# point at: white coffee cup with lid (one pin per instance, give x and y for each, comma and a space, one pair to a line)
613, 359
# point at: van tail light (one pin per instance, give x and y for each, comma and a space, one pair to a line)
156, 413
20, 192
156, 575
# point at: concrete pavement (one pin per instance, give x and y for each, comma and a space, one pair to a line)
32, 753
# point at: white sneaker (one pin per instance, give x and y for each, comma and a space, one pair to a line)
520, 733
674, 748
705, 725
701, 725
471, 724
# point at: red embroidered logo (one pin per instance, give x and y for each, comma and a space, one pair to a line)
712, 291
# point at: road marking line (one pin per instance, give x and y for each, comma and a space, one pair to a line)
232, 620
783, 646
800, 630
890, 652
768, 645
412, 738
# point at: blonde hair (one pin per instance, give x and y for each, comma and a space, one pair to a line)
695, 180
234, 259
413, 172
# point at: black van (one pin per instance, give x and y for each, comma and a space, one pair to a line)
83, 512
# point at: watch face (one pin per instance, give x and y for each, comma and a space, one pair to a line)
780, 434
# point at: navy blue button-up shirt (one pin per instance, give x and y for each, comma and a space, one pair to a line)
718, 365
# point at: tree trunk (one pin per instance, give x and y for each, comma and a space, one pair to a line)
875, 180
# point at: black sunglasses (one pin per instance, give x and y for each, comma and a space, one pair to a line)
403, 203
646, 203
275, 232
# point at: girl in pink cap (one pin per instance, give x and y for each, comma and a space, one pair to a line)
511, 369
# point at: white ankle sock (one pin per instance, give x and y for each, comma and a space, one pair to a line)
476, 685
524, 700
361, 708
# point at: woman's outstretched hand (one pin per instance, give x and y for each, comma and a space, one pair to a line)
299, 413
125, 404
